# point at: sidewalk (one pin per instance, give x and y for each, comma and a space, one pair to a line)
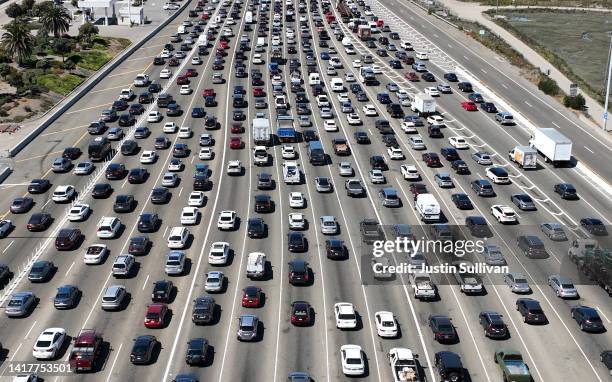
474, 12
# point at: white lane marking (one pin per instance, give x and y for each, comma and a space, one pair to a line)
8, 246
111, 88
589, 150
15, 353
124, 182
165, 231
70, 268
505, 87
88, 108
45, 205
484, 71
110, 372
30, 331
527, 103
600, 312
192, 158
466, 57
64, 130
436, 36
554, 123
180, 191
124, 73
144, 285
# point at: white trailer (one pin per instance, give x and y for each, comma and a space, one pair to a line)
428, 207
423, 104
262, 135
554, 146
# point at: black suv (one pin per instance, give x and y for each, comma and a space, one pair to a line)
148, 222
335, 249
162, 290
67, 238
124, 203
160, 195
298, 272
532, 247
263, 203
197, 349
101, 191
493, 325
256, 228
296, 242
449, 367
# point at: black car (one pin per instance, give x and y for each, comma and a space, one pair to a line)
256, 228
145, 98
197, 350
143, 349
566, 190
198, 112
139, 245
124, 203
493, 325
263, 203
594, 226
460, 167
362, 137
160, 195
39, 222
101, 191
531, 311
462, 201
482, 187
449, 153
442, 328
129, 147
173, 110
162, 291
120, 105
434, 131
296, 242
335, 249
465, 87
210, 121
21, 205
71, 153
127, 120
478, 226
136, 109
154, 88
377, 162
38, 186
489, 107
148, 222
203, 310
41, 271
587, 318
298, 272
523, 202
451, 77
159, 61
449, 366
66, 297
264, 181
431, 160
137, 175
428, 77
309, 135
532, 247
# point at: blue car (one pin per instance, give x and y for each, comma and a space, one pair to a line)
197, 112
451, 77
324, 56
383, 98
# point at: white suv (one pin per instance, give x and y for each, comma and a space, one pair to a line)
108, 227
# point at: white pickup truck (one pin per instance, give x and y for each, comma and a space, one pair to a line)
422, 286
291, 173
404, 366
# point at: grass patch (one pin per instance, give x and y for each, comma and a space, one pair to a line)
60, 84
548, 3
91, 60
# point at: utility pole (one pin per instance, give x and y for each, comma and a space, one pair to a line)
606, 103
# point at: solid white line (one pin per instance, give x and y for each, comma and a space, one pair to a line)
589, 150
600, 312
69, 269
110, 372
144, 285
8, 246
30, 331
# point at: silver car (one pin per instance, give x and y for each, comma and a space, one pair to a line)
493, 255
214, 281
562, 286
376, 176
83, 168
554, 231
175, 263
122, 266
247, 327
517, 282
20, 304
61, 164
416, 142
345, 169
323, 184
113, 297
444, 180
482, 157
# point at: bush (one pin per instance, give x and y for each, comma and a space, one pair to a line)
27, 109
549, 86
576, 103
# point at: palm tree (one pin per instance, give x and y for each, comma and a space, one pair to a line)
17, 40
55, 20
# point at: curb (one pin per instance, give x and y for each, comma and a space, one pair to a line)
91, 82
4, 173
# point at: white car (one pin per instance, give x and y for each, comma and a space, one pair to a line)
458, 142
386, 326
497, 174
257, 60
322, 100
345, 169
63, 193
154, 116
330, 125
49, 343
376, 69
410, 172
432, 91
170, 127
343, 97
329, 226
435, 120
352, 360
421, 56
126, 94
189, 215
165, 54
402, 94
196, 61
83, 168
108, 227
408, 127
356, 63
175, 164
148, 156
78, 212
184, 132
171, 6
335, 62
165, 73
331, 71
395, 153
288, 152
95, 253
346, 317
185, 90
234, 167
218, 253
369, 110
226, 220
296, 200
353, 119
377, 176
206, 153
503, 214
196, 199
349, 77
297, 221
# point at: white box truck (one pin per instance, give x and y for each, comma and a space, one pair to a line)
428, 207
554, 146
423, 104
262, 135
524, 156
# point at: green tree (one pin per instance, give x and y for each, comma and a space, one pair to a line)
87, 31
549, 86
55, 20
17, 41
27, 6
39, 8
14, 11
576, 103
62, 46
74, 3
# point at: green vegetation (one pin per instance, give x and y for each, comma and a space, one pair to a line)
90, 60
576, 103
60, 84
549, 86
548, 3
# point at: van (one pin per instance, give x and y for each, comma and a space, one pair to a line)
314, 79
337, 85
261, 42
178, 237
181, 29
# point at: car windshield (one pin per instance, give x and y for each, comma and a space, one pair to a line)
14, 303
152, 316
213, 280
43, 344
445, 328
520, 281
353, 361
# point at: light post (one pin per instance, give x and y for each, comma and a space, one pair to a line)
606, 103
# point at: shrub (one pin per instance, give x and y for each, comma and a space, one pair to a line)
576, 103
549, 86
27, 109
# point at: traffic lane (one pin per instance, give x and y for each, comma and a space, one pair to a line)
524, 97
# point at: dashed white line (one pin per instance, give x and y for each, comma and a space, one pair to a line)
527, 103
165, 231
110, 372
180, 191
70, 268
8, 246
144, 285
484, 71
589, 150
503, 85
124, 183
30, 331
554, 123
466, 57
47, 202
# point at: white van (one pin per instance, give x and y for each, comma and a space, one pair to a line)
314, 79
337, 85
406, 45
178, 237
261, 41
181, 29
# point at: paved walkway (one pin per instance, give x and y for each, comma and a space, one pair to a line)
474, 12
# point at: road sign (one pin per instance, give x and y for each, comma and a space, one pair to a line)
605, 116
573, 91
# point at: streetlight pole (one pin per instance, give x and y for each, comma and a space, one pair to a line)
606, 103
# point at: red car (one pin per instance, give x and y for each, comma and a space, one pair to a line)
236, 143
432, 160
173, 62
258, 92
251, 297
182, 80
300, 313
223, 45
237, 128
155, 316
191, 72
209, 93
412, 76
469, 106
205, 16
